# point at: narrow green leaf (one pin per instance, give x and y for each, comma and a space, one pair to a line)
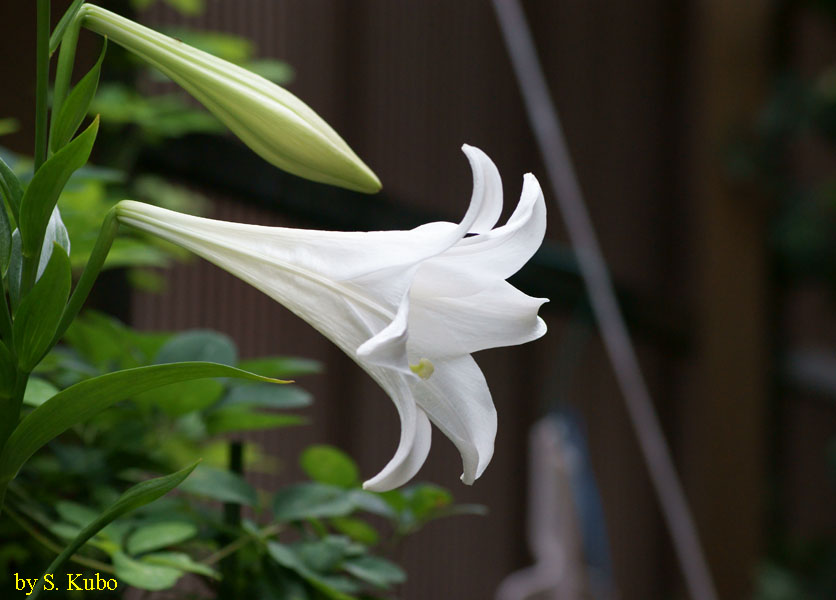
159, 535
42, 193
61, 28
220, 484
328, 464
76, 106
5, 240
135, 497
10, 187
40, 311
89, 397
15, 269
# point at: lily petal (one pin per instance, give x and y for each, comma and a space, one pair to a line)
497, 316
457, 400
408, 306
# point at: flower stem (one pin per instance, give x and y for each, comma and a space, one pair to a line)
41, 82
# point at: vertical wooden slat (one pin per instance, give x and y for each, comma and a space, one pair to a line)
723, 423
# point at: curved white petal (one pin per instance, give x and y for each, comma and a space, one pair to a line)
404, 466
475, 262
497, 316
457, 400
487, 189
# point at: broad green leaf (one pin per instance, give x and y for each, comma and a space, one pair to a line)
312, 501
203, 345
144, 575
37, 318
89, 397
331, 465
281, 366
10, 188
266, 396
288, 559
74, 513
42, 193
75, 107
38, 391
425, 498
375, 570
159, 535
219, 484
229, 420
326, 554
356, 529
179, 560
135, 497
61, 27
181, 398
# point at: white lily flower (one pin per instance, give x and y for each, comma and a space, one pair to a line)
277, 125
408, 306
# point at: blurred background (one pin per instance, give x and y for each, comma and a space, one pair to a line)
703, 135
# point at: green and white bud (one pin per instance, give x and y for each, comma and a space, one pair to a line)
270, 120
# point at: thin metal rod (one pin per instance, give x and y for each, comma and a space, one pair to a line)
545, 124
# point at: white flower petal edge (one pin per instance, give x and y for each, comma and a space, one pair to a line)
408, 306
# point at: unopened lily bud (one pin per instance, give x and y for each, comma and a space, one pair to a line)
270, 120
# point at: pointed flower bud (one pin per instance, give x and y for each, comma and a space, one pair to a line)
274, 123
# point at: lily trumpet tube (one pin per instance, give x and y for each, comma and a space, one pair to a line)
409, 307
274, 123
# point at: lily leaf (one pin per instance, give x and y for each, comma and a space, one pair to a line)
40, 197
160, 535
330, 465
75, 107
40, 311
89, 397
10, 187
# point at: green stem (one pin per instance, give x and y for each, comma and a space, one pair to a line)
242, 541
110, 227
41, 82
